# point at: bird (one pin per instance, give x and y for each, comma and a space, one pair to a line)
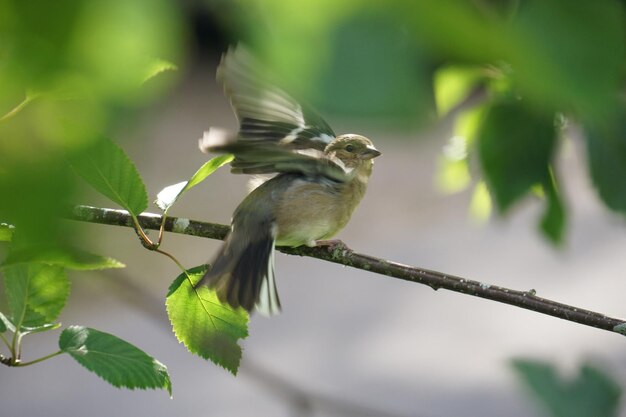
317, 180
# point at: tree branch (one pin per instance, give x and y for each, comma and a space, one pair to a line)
339, 253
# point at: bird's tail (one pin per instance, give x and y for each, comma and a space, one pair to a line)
243, 272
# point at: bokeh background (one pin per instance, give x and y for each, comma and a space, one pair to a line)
348, 343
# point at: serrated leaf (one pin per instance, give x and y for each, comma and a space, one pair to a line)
107, 168
70, 258
114, 360
515, 149
156, 67
592, 393
207, 327
36, 293
606, 148
6, 232
169, 195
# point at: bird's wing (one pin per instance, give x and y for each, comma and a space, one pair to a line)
263, 157
276, 133
265, 112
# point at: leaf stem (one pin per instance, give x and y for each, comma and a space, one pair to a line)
145, 240
18, 108
43, 358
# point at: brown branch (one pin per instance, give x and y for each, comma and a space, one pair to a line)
341, 254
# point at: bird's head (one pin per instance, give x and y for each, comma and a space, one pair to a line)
352, 150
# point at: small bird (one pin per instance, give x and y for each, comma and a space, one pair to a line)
319, 180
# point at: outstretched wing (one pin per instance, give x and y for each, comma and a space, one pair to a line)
265, 112
276, 133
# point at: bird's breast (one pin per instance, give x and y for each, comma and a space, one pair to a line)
311, 210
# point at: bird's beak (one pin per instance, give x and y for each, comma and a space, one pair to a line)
370, 153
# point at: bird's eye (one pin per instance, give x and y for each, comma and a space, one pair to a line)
349, 148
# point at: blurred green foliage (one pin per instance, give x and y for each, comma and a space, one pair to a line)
73, 70
70, 70
591, 393
389, 63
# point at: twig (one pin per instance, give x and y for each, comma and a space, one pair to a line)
341, 254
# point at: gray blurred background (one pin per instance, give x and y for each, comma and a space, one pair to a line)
349, 342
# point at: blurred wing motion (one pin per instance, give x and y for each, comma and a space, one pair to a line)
276, 133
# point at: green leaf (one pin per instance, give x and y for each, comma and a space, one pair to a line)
373, 70
107, 168
480, 204
114, 360
7, 323
70, 258
39, 328
36, 293
606, 148
3, 326
156, 67
6, 232
453, 84
553, 221
452, 173
207, 328
169, 195
207, 169
592, 393
569, 54
515, 149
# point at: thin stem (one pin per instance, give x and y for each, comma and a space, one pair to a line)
18, 108
341, 254
15, 346
144, 237
43, 358
169, 255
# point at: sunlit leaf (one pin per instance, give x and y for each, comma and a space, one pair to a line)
480, 204
452, 173
452, 176
453, 85
105, 166
40, 328
156, 67
114, 360
169, 195
592, 393
6, 232
467, 124
36, 293
207, 327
